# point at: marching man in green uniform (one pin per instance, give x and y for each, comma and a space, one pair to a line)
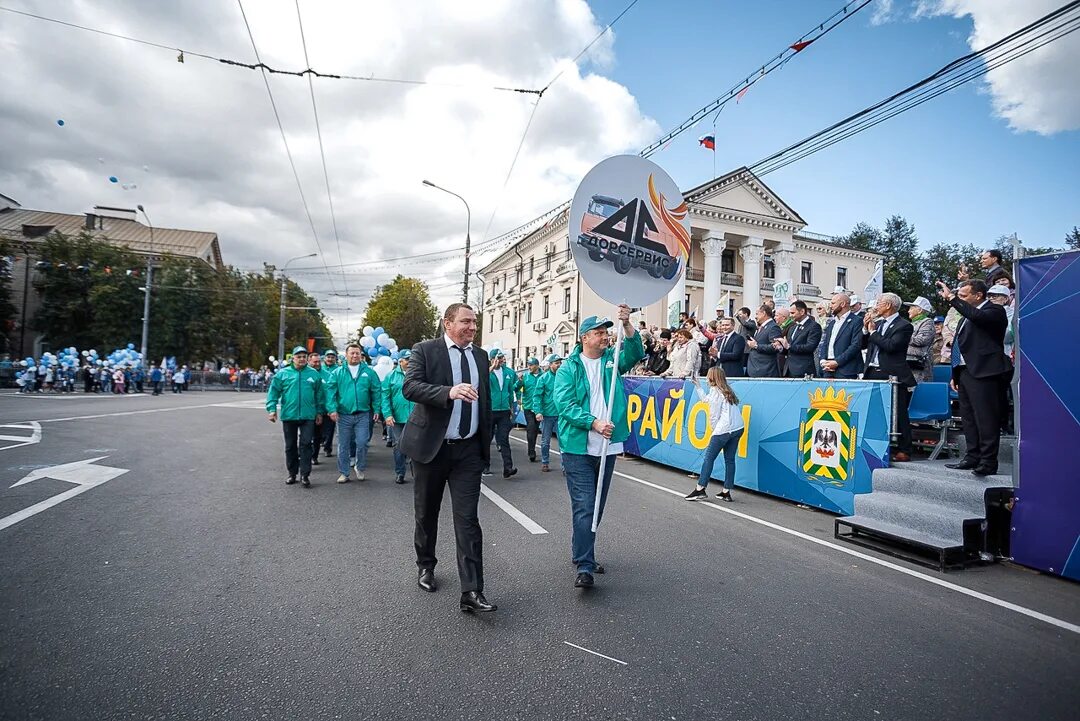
544, 406
325, 437
528, 396
581, 396
396, 410
504, 385
353, 399
299, 391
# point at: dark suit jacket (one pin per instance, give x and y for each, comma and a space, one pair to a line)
763, 360
800, 355
848, 348
981, 336
892, 350
729, 356
994, 275
427, 384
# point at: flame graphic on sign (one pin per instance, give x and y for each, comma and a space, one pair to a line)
671, 218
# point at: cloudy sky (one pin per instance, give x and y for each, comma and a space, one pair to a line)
988, 159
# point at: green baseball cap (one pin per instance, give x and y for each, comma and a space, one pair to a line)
593, 322
533, 362
554, 358
299, 349
495, 353
330, 351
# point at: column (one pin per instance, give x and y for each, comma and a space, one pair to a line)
752, 252
677, 294
713, 246
783, 258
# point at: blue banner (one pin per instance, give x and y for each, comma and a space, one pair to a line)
814, 442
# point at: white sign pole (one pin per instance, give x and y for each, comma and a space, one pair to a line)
615, 378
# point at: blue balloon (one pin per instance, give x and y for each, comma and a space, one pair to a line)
131, 346
60, 123
378, 331
113, 179
394, 355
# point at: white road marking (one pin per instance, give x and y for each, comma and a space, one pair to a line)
594, 653
1031, 613
20, 440
83, 473
529, 524
128, 413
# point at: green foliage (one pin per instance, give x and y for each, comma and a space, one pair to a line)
1072, 239
404, 309
7, 308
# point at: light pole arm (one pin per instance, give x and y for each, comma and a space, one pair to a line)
468, 236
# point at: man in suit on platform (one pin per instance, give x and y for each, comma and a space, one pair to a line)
802, 340
763, 359
887, 335
730, 349
978, 365
448, 437
840, 351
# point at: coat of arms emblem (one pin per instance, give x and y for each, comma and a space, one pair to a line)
827, 438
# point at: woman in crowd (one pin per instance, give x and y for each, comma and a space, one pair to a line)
685, 356
921, 345
725, 415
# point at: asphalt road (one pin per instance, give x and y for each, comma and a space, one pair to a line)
197, 585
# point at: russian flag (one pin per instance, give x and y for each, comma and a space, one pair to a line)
709, 141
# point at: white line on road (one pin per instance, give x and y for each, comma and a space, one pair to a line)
594, 653
22, 440
529, 524
42, 506
1031, 613
129, 413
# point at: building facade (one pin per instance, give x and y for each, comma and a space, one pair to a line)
746, 241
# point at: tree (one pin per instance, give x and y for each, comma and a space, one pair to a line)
900, 245
7, 308
1072, 239
404, 309
941, 262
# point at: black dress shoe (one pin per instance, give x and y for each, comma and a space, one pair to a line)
532, 459
475, 602
314, 461
292, 480
305, 482
598, 568
399, 480
983, 471
583, 580
511, 472
426, 580
964, 465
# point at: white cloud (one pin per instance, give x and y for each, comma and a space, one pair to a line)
883, 12
215, 154
1038, 92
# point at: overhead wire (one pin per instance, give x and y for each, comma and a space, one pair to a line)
591, 43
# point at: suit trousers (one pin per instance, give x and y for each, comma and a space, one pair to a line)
457, 464
532, 430
500, 431
903, 400
326, 435
299, 439
980, 413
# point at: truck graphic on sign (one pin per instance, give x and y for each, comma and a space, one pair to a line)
637, 244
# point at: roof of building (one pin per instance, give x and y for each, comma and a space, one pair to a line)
21, 223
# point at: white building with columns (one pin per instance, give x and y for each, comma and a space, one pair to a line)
746, 242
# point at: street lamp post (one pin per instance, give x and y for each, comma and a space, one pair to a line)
281, 318
468, 233
149, 280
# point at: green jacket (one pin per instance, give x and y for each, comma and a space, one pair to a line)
394, 404
327, 372
572, 396
345, 395
544, 395
301, 394
528, 390
503, 398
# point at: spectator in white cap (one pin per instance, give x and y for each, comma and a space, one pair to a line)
857, 307
1001, 295
921, 346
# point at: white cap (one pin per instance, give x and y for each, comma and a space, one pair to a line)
839, 289
999, 290
854, 299
923, 303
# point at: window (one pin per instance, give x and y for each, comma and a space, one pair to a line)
502, 322
528, 312
566, 301
532, 262
491, 325
565, 349
495, 286
807, 273
841, 276
727, 261
686, 305
547, 262
770, 267
504, 280
545, 307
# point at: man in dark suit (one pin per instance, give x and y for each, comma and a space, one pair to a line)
802, 340
979, 362
887, 335
730, 349
840, 352
448, 437
762, 361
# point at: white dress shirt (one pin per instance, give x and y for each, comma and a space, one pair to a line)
474, 378
830, 353
886, 322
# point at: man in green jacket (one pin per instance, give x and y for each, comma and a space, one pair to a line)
544, 405
581, 396
396, 409
353, 399
503, 384
528, 395
326, 434
299, 391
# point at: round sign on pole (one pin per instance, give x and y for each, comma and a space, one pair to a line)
629, 231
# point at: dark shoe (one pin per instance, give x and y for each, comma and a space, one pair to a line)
599, 569
292, 480
698, 494
399, 479
328, 454
426, 580
583, 580
305, 482
983, 471
532, 458
964, 465
724, 496
545, 468
486, 472
901, 457
389, 444
315, 461
475, 602
511, 472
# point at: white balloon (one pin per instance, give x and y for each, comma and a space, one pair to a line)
367, 342
368, 330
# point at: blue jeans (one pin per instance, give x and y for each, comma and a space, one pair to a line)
547, 426
729, 444
581, 473
399, 458
354, 431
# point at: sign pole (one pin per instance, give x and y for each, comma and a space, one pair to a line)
615, 378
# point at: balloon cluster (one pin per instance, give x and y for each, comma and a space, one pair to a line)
69, 358
381, 348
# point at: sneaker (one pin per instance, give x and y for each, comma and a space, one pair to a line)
399, 479
487, 472
305, 482
698, 494
508, 473
724, 496
292, 480
359, 474
545, 468
342, 478
583, 580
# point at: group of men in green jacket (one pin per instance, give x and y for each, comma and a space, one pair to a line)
351, 396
